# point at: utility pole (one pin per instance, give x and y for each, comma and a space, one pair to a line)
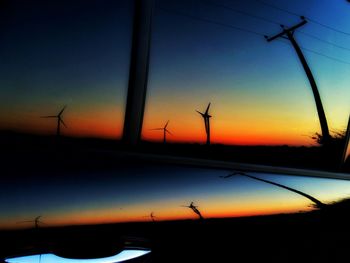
288, 33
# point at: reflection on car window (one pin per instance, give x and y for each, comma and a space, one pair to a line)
273, 99
138, 192
226, 82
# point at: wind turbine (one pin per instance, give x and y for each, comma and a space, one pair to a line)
165, 131
36, 222
317, 202
194, 209
152, 216
206, 118
59, 120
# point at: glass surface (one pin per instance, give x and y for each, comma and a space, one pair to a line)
64, 53
138, 191
215, 52
217, 89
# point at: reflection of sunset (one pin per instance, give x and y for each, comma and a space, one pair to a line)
100, 202
259, 95
139, 213
251, 127
105, 123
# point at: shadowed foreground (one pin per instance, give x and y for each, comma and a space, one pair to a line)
318, 236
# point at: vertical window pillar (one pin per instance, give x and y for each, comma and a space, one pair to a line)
138, 75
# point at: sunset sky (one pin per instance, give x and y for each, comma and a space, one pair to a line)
77, 53
64, 53
132, 194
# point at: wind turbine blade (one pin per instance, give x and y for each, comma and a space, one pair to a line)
166, 130
166, 124
200, 113
51, 116
206, 112
63, 123
62, 110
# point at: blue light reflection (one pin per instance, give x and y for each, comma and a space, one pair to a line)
51, 258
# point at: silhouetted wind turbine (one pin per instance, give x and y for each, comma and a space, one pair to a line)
317, 202
152, 216
59, 120
36, 222
165, 131
206, 118
194, 209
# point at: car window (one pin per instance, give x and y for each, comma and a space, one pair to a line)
245, 128
263, 107
58, 54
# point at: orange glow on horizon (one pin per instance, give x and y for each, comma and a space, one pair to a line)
237, 138
138, 213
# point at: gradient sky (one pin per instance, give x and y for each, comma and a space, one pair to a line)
56, 53
76, 53
258, 90
131, 194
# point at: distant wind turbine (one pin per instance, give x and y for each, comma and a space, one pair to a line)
206, 118
194, 209
317, 202
152, 216
59, 120
165, 131
36, 222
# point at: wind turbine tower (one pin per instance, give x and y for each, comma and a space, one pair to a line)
206, 118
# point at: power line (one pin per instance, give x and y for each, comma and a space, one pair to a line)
278, 8
310, 19
329, 27
273, 22
322, 40
245, 30
241, 12
211, 21
326, 56
316, 53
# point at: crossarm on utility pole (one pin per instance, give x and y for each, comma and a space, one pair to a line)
291, 29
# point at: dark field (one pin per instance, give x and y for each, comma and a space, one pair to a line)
17, 145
